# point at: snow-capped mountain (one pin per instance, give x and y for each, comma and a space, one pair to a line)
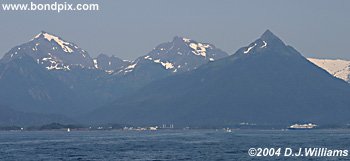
267, 43
51, 52
51, 75
337, 67
110, 63
179, 55
266, 82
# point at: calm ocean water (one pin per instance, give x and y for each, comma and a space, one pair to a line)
164, 145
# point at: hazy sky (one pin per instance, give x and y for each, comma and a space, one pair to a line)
131, 28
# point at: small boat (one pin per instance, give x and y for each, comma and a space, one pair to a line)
68, 130
302, 126
227, 129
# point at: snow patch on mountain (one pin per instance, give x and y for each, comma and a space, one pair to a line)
128, 69
52, 52
249, 48
166, 64
179, 55
63, 44
132, 66
337, 67
95, 63
199, 48
265, 44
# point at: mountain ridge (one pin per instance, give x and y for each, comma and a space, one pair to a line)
180, 81
264, 85
53, 75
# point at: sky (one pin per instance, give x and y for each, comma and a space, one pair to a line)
131, 28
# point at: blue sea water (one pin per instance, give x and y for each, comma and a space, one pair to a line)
198, 145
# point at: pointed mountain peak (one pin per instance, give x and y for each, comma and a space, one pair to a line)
179, 55
52, 53
268, 36
66, 46
50, 37
267, 43
43, 34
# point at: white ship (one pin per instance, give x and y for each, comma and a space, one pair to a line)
302, 126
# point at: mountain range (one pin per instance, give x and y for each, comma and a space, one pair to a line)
182, 81
266, 82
